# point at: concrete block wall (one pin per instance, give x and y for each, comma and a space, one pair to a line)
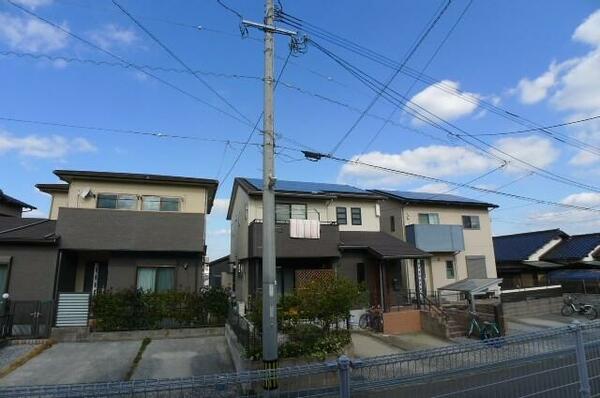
535, 307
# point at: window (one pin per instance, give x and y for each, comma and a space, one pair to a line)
360, 273
116, 201
341, 215
158, 203
156, 279
392, 223
285, 211
429, 218
470, 222
449, 269
3, 278
356, 216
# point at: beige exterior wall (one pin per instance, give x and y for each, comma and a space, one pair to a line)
240, 219
477, 242
59, 199
194, 199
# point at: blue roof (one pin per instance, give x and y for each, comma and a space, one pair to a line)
309, 187
574, 275
575, 247
427, 197
519, 247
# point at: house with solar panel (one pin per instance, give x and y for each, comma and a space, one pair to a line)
542, 258
455, 230
321, 230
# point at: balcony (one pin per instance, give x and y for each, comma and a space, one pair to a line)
103, 229
436, 238
286, 247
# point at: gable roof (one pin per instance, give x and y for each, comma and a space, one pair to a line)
575, 247
518, 247
27, 230
4, 198
433, 198
300, 189
380, 244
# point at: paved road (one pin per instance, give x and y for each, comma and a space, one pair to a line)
76, 363
171, 358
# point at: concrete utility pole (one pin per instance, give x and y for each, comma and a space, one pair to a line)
269, 314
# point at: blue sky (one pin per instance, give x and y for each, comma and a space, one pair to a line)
538, 59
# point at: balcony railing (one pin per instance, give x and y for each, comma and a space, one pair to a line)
436, 238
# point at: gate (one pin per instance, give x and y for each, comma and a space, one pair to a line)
31, 319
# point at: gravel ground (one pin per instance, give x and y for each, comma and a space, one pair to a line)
10, 353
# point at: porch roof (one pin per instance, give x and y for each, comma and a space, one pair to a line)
472, 285
380, 244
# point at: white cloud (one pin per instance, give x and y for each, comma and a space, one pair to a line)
571, 221
585, 199
111, 35
220, 232
589, 31
29, 34
533, 91
445, 104
33, 4
36, 213
46, 147
220, 206
538, 151
433, 188
434, 161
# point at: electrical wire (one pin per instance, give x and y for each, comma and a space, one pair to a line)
115, 56
587, 119
390, 79
231, 10
180, 61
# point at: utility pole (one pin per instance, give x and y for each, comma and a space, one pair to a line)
269, 287
269, 302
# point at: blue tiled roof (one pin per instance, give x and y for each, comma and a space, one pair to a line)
574, 248
519, 247
427, 197
309, 187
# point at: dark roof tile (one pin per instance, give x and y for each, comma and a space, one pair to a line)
380, 244
13, 201
576, 247
432, 198
518, 247
35, 230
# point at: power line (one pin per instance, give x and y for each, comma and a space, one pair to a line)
231, 10
180, 61
436, 83
412, 51
423, 69
406, 105
538, 128
115, 56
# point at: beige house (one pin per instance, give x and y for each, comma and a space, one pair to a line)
455, 230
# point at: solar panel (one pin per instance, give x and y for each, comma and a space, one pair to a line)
308, 187
437, 197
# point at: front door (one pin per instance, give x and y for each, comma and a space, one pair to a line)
373, 277
96, 275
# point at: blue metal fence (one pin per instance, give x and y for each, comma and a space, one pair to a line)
561, 362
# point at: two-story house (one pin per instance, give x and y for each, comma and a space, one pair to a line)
455, 230
112, 231
321, 230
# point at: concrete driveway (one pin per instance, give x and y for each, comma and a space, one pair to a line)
541, 322
68, 363
184, 358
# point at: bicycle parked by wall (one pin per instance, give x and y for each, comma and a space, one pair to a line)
485, 330
372, 319
571, 308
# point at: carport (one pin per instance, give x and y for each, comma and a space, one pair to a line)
472, 287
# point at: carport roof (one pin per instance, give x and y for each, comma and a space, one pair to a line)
380, 244
472, 285
27, 230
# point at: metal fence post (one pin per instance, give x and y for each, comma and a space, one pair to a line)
585, 390
344, 376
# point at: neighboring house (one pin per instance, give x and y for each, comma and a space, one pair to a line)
111, 231
321, 230
11, 207
220, 273
541, 257
455, 230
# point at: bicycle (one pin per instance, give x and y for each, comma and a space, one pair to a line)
372, 319
586, 310
489, 330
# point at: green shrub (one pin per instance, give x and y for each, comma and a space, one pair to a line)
136, 310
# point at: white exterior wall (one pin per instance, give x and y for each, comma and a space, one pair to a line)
59, 199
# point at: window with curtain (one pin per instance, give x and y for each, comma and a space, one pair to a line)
116, 201
429, 218
471, 222
449, 269
156, 279
285, 211
159, 203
